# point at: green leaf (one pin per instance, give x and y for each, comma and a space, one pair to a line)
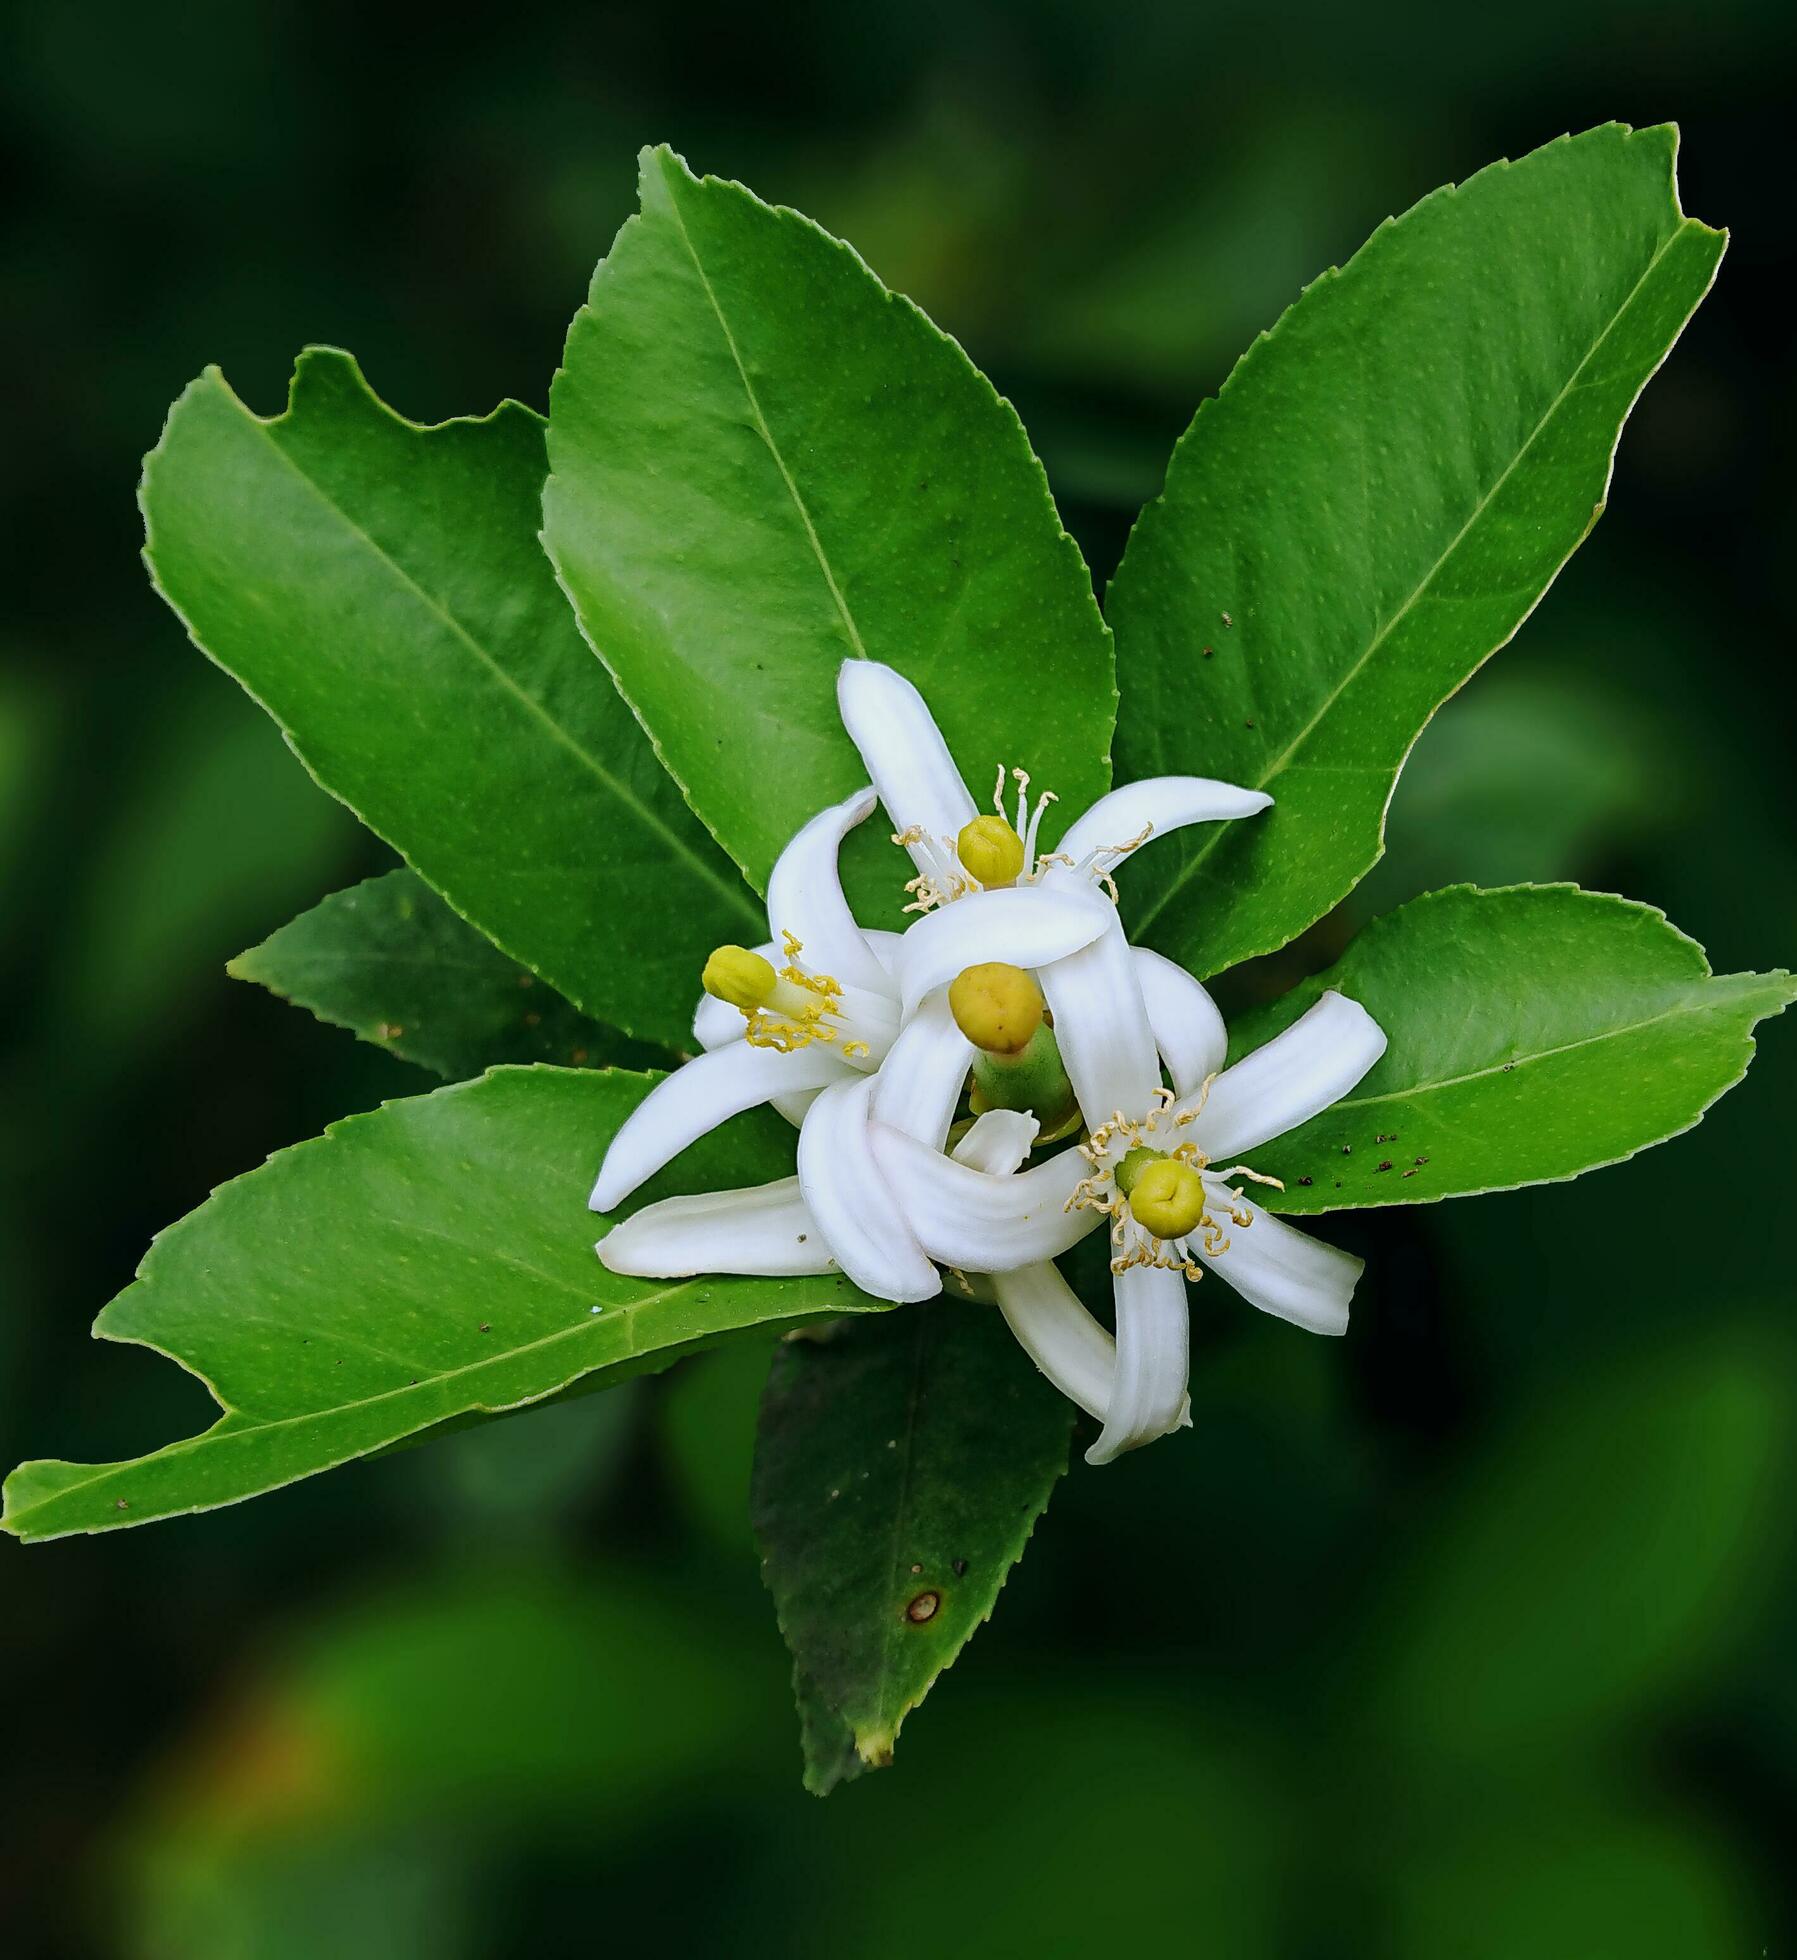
426, 1263
1535, 1032
900, 1467
765, 463
1382, 491
390, 961
378, 587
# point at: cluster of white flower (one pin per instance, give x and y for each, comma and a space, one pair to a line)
1014, 991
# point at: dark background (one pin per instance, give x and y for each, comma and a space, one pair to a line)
1468, 1635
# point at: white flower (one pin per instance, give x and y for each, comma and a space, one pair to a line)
1156, 1166
844, 1010
853, 1038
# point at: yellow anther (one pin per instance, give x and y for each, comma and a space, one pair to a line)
742, 978
997, 1007
1167, 1198
991, 850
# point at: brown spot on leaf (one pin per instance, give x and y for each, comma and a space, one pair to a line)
923, 1607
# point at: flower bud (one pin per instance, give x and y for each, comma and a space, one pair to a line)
991, 851
996, 1006
742, 978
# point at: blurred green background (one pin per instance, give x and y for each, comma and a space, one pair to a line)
1471, 1634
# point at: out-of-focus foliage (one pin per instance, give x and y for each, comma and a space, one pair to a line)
1171, 1725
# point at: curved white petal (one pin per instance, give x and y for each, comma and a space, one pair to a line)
1028, 925
903, 751
1059, 1335
1289, 1079
1148, 1390
997, 1141
885, 945
981, 1223
920, 1080
794, 1108
1188, 1029
804, 897
763, 1229
847, 1195
1283, 1271
1101, 1025
1157, 804
699, 1096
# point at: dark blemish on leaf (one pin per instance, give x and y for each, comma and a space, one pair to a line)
1208, 651
1386, 1165
1227, 621
119, 1504
1410, 1173
1347, 1150
923, 1607
960, 1568
1247, 724
578, 1057
1386, 1137
391, 1030
486, 1327
803, 1236
1508, 1066
533, 1020
527, 980
1305, 1180
1419, 1160
1338, 1184
915, 1570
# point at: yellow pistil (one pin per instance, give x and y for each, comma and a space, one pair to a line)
742, 978
1167, 1198
998, 1007
991, 851
785, 1009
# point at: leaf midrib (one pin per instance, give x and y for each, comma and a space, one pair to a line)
1219, 832
856, 644
1524, 1061
620, 792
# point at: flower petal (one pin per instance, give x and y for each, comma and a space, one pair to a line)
698, 1097
920, 1080
1290, 1079
1057, 1333
1028, 925
1148, 1390
997, 1141
981, 1223
903, 751
804, 897
1157, 804
1188, 1029
1283, 1271
763, 1229
1101, 1025
847, 1195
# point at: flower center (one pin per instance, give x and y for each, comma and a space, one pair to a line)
1165, 1195
987, 853
785, 1009
991, 850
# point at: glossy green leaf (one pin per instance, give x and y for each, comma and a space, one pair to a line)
391, 961
1380, 493
1534, 1033
415, 1267
900, 1467
765, 463
379, 588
